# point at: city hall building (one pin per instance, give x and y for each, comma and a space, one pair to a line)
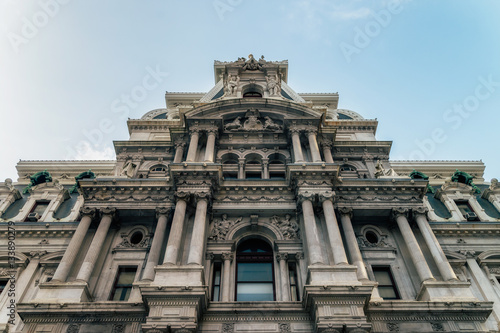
250, 208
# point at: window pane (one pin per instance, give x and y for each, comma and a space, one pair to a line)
40, 207
255, 272
255, 292
217, 277
216, 294
387, 292
383, 278
126, 277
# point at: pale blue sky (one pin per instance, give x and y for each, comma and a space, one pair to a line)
65, 67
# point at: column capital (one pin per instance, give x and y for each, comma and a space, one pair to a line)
88, 211
281, 256
180, 195
327, 195
228, 256
420, 211
299, 255
108, 211
294, 130
202, 195
180, 144
304, 196
162, 211
325, 143
194, 130
212, 130
209, 256
345, 211
400, 211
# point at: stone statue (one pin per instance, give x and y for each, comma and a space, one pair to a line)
288, 228
128, 169
269, 124
273, 85
232, 84
221, 227
234, 125
381, 172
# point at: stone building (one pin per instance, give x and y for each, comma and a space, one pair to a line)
250, 208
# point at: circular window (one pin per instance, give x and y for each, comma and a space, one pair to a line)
136, 238
371, 237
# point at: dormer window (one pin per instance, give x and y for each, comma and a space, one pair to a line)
466, 210
37, 211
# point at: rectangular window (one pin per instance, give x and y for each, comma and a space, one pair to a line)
123, 284
216, 284
386, 286
37, 211
294, 289
466, 210
255, 282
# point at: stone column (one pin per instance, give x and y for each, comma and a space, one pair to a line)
352, 242
297, 148
179, 151
332, 226
227, 257
327, 151
285, 279
74, 246
313, 145
200, 226
96, 245
314, 248
210, 149
241, 168
193, 145
174, 238
265, 168
154, 252
411, 243
432, 243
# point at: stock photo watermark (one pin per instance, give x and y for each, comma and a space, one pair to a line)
455, 117
223, 6
32, 25
364, 36
120, 106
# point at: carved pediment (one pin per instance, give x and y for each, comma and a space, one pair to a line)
253, 122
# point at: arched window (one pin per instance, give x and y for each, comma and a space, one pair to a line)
254, 271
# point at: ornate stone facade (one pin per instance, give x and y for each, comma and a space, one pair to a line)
250, 208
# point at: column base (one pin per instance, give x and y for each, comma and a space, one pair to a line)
446, 291
62, 292
171, 275
340, 275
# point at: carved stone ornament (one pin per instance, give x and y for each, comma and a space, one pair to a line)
108, 211
393, 327
232, 85
221, 227
118, 328
227, 256
227, 328
281, 256
289, 229
37, 254
285, 328
363, 242
494, 270
125, 243
253, 122
73, 328
437, 327
162, 211
468, 253
253, 65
